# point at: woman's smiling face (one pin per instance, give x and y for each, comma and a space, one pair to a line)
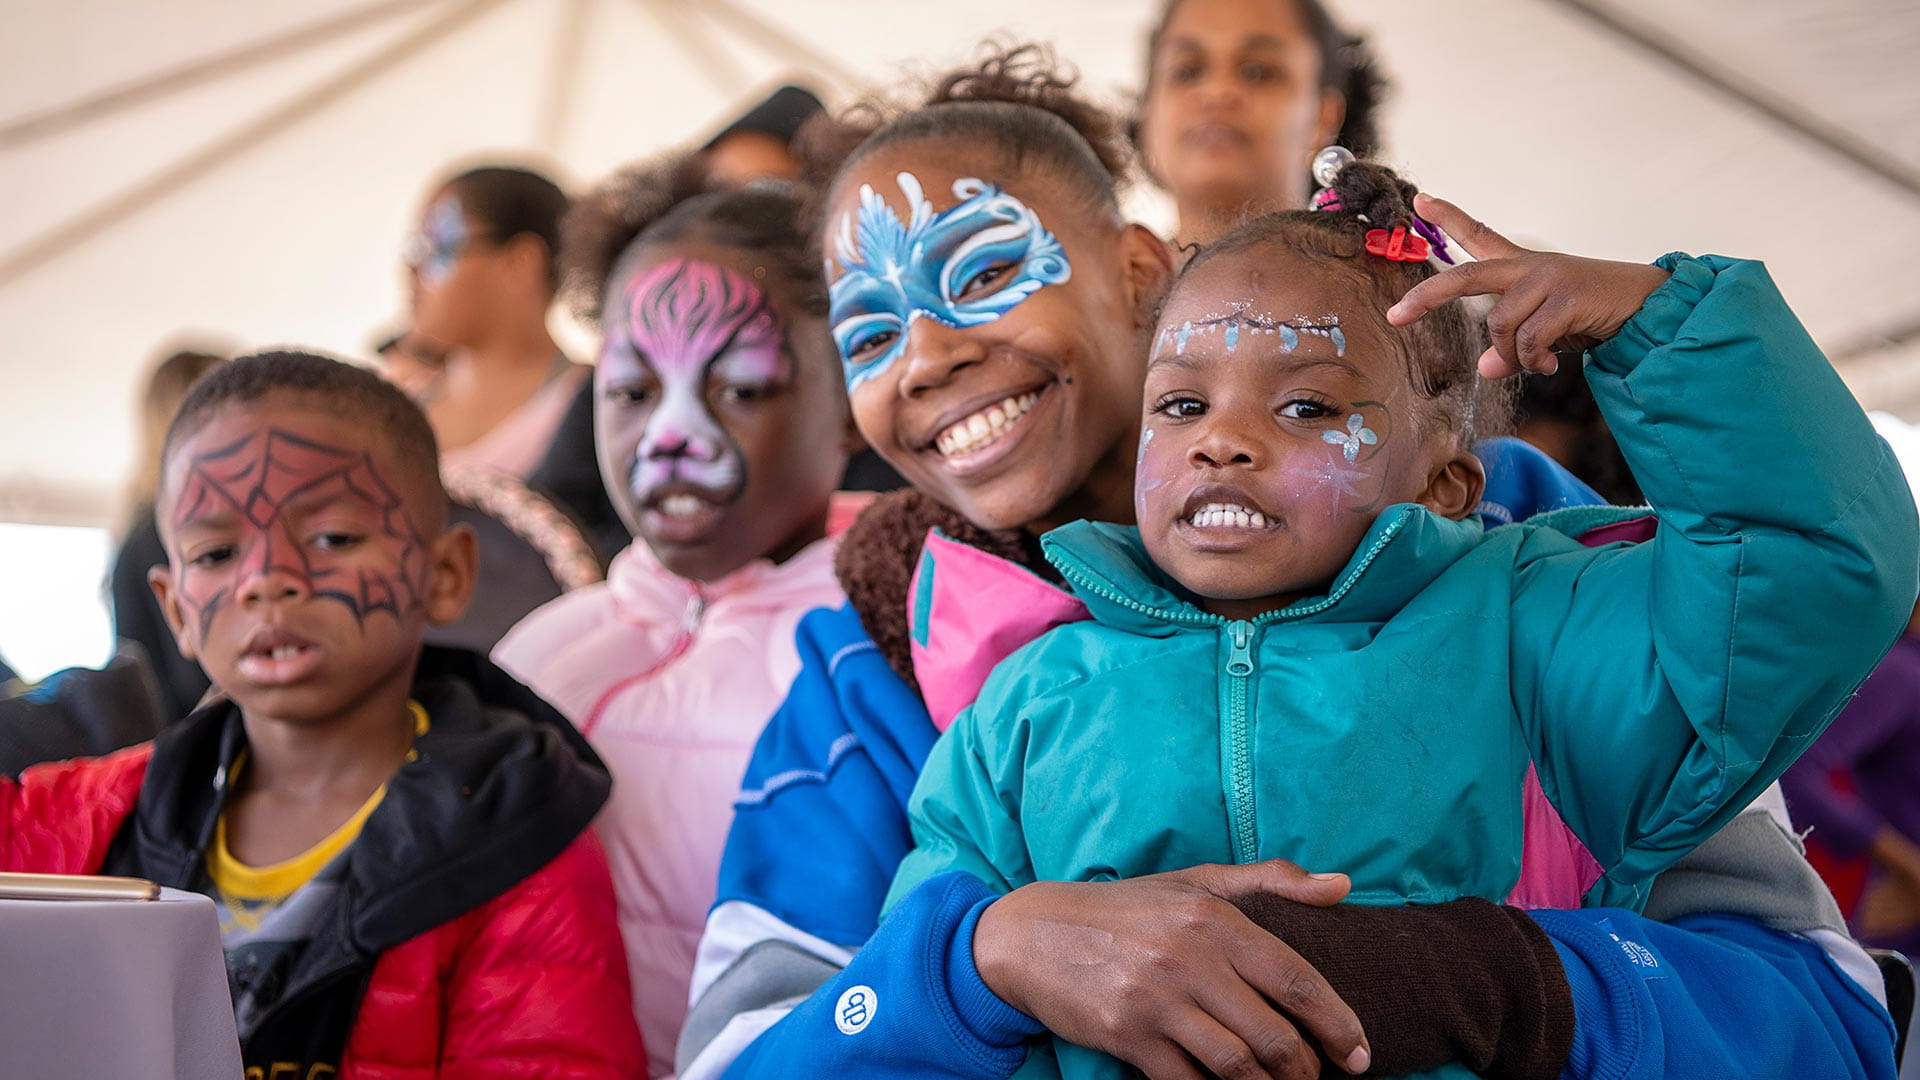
989, 332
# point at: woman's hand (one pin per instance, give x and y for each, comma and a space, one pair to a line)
1548, 301
1163, 972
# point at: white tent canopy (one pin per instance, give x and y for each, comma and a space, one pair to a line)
244, 171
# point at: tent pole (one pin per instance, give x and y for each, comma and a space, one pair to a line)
563, 74
1802, 122
753, 27
719, 66
171, 178
38, 125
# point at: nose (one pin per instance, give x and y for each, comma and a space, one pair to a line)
1219, 87
672, 443
270, 579
934, 353
1223, 443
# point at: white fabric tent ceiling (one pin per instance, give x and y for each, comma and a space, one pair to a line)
244, 171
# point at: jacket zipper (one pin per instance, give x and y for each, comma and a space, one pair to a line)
1240, 809
1237, 739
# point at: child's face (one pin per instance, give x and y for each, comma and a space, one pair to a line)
1278, 423
990, 338
720, 422
302, 568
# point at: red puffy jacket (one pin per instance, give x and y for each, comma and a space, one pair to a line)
530, 983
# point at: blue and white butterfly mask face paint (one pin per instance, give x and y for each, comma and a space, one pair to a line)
894, 272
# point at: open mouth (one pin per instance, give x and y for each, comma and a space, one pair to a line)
277, 657
1226, 516
682, 514
1224, 511
977, 431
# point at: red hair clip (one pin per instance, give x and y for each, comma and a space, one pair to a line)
1400, 245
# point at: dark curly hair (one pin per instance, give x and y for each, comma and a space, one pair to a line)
1347, 64
1018, 100
1442, 350
671, 198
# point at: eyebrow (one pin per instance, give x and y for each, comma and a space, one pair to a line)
1251, 41
1290, 360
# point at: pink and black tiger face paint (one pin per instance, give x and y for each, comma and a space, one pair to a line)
692, 324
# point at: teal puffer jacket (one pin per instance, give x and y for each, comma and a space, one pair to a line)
1384, 730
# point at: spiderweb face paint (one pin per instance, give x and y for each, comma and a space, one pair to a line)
691, 323
268, 494
893, 272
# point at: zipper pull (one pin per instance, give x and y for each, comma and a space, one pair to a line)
696, 607
1240, 659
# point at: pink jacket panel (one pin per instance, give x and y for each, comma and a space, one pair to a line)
672, 682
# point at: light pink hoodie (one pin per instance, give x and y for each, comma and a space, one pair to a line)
671, 682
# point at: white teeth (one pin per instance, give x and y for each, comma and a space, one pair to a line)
1227, 516
984, 426
680, 504
285, 652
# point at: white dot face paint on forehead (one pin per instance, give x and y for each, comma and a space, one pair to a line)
892, 272
689, 323
1242, 325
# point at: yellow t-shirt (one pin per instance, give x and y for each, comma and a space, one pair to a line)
248, 894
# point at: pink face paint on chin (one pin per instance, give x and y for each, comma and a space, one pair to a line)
693, 323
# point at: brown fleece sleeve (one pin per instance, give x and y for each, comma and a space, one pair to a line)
1467, 981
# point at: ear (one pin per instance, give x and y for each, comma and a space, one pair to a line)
1147, 265
160, 580
453, 560
1454, 489
1333, 113
528, 255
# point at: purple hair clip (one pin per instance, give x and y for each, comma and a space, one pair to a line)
1327, 199
1435, 238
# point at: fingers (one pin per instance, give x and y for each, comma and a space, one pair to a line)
1476, 236
1467, 279
1226, 1055
1270, 966
1507, 317
1277, 877
1269, 1036
1166, 1061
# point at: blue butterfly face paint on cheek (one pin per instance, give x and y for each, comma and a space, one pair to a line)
897, 271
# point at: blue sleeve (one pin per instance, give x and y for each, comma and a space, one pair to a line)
821, 822
1711, 995
910, 1004
1522, 481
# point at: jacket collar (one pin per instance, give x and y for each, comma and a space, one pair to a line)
502, 784
646, 591
1402, 552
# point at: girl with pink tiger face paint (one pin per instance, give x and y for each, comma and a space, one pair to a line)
720, 421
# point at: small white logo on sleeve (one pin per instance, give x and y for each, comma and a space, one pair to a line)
855, 1009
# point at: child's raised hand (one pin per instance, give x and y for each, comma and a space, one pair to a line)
1548, 301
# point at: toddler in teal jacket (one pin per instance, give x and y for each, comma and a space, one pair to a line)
1308, 649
